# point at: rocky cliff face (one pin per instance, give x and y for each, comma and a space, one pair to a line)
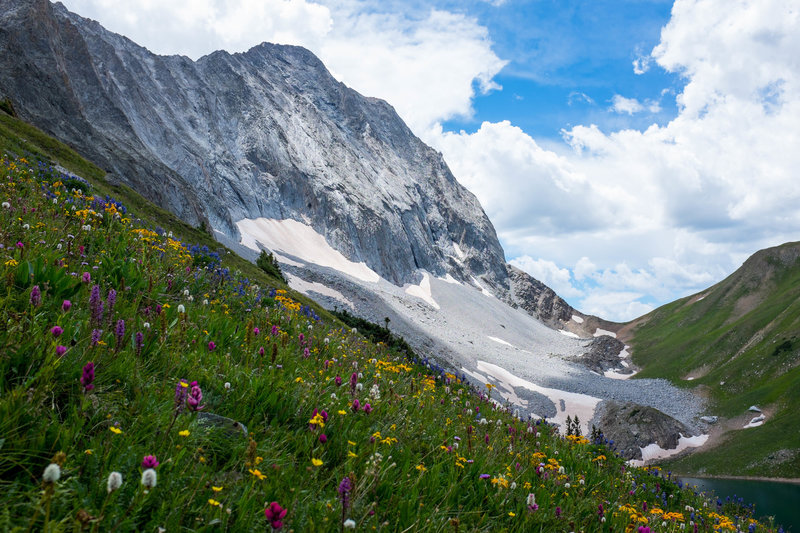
267, 133
538, 299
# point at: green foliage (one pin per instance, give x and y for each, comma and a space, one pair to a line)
738, 343
268, 263
375, 332
418, 458
7, 107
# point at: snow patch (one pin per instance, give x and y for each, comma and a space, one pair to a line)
305, 287
577, 319
624, 353
599, 332
501, 341
654, 451
481, 287
755, 422
568, 334
302, 241
616, 375
423, 291
581, 405
459, 252
449, 279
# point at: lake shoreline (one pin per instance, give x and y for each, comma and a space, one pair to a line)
794, 481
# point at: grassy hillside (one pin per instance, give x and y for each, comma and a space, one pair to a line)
131, 358
739, 342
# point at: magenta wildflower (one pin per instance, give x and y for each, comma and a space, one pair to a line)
275, 330
86, 277
337, 380
87, 378
485, 476
356, 405
56, 331
195, 398
66, 305
36, 296
367, 408
323, 438
301, 338
61, 350
644, 529
353, 382
261, 351
256, 331
558, 513
306, 353
149, 461
20, 245
274, 514
211, 346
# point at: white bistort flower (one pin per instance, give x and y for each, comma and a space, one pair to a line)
52, 473
149, 478
114, 481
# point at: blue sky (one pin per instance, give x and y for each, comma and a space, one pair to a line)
628, 152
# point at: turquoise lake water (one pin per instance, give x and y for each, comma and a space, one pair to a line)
781, 500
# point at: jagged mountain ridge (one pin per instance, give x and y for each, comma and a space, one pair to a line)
267, 133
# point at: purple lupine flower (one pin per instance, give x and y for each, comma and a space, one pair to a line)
149, 461
65, 305
181, 390
36, 296
195, 398
367, 408
87, 378
56, 331
96, 336
96, 305
274, 514
119, 333
61, 350
138, 342
211, 346
111, 300
344, 493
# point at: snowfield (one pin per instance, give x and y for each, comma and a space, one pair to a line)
455, 323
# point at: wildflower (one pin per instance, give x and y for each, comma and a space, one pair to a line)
257, 473
531, 500
558, 513
66, 305
96, 305
195, 397
86, 277
149, 461
323, 438
215, 503
111, 300
344, 492
485, 476
119, 333
353, 382
227, 385
367, 408
115, 430
216, 489
87, 378
61, 350
52, 473
184, 433
36, 296
138, 341
350, 523
114, 481
211, 346
181, 309
316, 462
149, 478
356, 405
6, 205
337, 380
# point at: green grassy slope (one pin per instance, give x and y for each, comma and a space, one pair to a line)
122, 447
740, 340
